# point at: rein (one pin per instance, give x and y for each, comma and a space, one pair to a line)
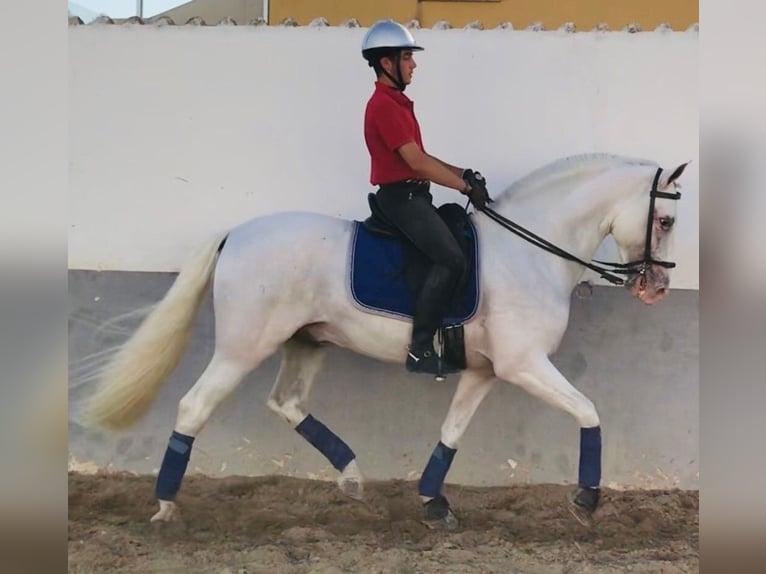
639, 266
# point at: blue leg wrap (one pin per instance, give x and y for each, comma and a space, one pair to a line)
432, 480
173, 466
590, 457
326, 442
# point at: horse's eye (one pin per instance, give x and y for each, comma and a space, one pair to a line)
666, 222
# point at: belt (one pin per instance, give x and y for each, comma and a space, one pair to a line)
419, 182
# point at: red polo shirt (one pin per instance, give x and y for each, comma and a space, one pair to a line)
389, 123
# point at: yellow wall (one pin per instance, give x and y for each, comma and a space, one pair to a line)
336, 11
680, 14
213, 11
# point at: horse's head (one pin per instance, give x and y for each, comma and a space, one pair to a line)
644, 246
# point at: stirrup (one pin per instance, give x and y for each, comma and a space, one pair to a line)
429, 362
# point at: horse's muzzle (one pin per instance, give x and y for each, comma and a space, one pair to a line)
651, 286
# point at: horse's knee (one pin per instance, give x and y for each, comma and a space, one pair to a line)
583, 410
587, 416
551, 387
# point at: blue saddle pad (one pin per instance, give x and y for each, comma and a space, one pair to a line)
377, 282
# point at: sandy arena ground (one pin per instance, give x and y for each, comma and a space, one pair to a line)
279, 524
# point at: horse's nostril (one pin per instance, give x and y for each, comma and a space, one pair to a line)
661, 291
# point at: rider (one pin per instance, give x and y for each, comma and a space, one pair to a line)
403, 171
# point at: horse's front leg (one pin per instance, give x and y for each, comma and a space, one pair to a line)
471, 390
539, 377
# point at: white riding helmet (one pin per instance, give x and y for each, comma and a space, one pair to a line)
385, 36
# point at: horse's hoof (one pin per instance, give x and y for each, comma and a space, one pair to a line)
352, 488
438, 515
351, 482
583, 503
167, 512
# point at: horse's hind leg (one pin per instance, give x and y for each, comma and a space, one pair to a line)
300, 365
222, 375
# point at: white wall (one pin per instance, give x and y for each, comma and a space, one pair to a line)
177, 131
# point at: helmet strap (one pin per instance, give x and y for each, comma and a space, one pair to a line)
396, 59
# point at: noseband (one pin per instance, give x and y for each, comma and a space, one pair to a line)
639, 266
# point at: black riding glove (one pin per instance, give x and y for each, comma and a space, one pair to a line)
478, 193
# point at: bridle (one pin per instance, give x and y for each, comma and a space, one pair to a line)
639, 266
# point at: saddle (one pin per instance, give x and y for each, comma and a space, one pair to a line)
415, 265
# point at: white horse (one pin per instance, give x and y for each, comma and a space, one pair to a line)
280, 282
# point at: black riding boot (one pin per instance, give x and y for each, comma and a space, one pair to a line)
429, 309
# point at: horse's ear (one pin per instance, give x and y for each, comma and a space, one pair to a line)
676, 174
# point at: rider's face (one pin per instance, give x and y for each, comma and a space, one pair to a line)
406, 64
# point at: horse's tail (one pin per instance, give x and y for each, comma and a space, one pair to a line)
134, 376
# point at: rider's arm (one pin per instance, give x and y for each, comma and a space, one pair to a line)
456, 170
431, 168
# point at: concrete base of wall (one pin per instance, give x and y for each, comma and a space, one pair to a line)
638, 364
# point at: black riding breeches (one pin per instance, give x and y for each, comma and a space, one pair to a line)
409, 206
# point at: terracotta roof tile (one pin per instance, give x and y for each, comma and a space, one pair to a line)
568, 27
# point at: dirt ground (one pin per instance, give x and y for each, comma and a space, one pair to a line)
279, 524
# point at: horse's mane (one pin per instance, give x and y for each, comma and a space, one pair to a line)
571, 169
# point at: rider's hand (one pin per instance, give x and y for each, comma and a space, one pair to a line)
477, 193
